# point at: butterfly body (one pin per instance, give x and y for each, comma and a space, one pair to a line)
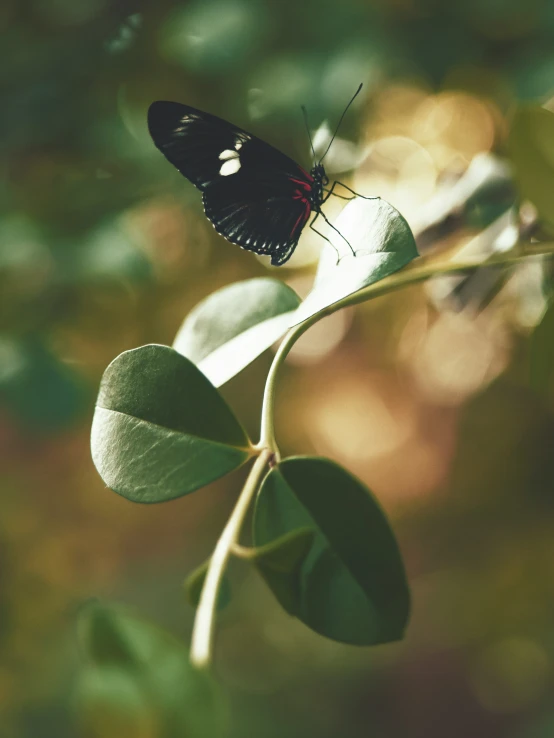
254, 195
320, 181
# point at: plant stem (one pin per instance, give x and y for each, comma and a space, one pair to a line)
413, 274
203, 630
410, 275
267, 434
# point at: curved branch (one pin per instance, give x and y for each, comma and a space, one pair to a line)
202, 634
410, 275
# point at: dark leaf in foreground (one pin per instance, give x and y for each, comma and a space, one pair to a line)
352, 583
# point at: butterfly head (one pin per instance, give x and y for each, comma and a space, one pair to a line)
319, 175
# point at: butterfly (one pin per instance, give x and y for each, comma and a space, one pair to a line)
254, 195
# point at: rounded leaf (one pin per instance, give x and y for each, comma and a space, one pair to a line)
352, 583
160, 429
383, 244
233, 326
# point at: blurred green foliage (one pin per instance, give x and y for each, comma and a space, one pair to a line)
138, 681
103, 248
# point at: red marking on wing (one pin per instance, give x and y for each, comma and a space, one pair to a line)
303, 217
302, 183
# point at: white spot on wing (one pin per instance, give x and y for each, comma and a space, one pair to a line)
240, 140
231, 166
228, 154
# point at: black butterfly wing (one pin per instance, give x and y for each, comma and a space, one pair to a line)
256, 196
263, 216
193, 141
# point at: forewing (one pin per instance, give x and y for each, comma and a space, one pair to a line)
205, 148
263, 217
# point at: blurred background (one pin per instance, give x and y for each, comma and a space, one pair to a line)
424, 394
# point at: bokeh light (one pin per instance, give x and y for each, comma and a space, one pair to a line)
424, 393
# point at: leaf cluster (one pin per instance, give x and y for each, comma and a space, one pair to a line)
162, 430
319, 538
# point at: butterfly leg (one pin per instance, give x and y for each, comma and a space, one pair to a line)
356, 194
337, 230
341, 197
332, 192
318, 213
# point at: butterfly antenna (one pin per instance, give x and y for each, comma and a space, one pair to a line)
340, 121
305, 114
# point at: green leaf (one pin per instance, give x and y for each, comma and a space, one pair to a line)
233, 326
352, 583
383, 243
160, 429
280, 564
541, 360
137, 680
195, 582
531, 149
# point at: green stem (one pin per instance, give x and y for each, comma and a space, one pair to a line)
203, 630
412, 274
267, 435
246, 553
